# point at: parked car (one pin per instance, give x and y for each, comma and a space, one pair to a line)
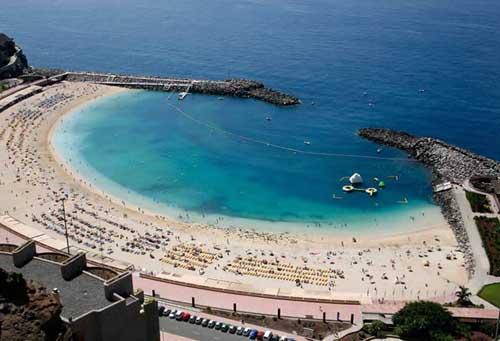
260, 335
161, 309
204, 323
252, 335
211, 324
167, 312
179, 315
268, 335
246, 332
275, 337
283, 338
239, 331
172, 315
198, 320
192, 319
218, 325
224, 328
232, 329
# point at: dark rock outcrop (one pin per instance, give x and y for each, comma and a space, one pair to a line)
13, 62
244, 88
28, 313
448, 162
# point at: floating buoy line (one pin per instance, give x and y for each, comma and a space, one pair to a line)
276, 146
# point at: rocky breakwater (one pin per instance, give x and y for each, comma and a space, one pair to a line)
244, 88
448, 163
232, 87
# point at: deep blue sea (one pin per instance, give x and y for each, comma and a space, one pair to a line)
363, 63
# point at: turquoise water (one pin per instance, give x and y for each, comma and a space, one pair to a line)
362, 63
140, 143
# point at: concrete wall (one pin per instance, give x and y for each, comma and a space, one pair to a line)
73, 266
125, 320
24, 253
121, 285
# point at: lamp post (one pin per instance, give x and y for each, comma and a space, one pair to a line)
65, 225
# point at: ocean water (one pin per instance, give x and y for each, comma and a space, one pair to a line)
362, 63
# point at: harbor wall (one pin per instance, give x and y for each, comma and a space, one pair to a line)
243, 88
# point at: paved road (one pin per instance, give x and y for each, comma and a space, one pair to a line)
195, 332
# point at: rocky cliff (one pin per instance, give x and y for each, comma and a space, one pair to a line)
28, 313
13, 62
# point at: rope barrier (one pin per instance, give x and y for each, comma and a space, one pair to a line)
276, 146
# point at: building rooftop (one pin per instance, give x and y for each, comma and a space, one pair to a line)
78, 296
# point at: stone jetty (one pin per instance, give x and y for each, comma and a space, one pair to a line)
232, 87
448, 163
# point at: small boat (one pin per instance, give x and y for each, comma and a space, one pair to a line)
336, 197
404, 201
376, 179
307, 142
381, 184
182, 95
220, 98
379, 150
269, 118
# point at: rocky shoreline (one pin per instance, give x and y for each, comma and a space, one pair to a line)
243, 88
448, 163
13, 62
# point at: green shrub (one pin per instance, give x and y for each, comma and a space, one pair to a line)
375, 328
424, 321
489, 229
478, 202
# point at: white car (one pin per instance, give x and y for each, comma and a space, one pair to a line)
239, 331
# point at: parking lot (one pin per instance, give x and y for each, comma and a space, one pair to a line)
204, 327
195, 332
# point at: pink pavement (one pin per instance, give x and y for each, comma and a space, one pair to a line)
247, 302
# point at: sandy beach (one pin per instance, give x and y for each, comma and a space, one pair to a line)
420, 262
